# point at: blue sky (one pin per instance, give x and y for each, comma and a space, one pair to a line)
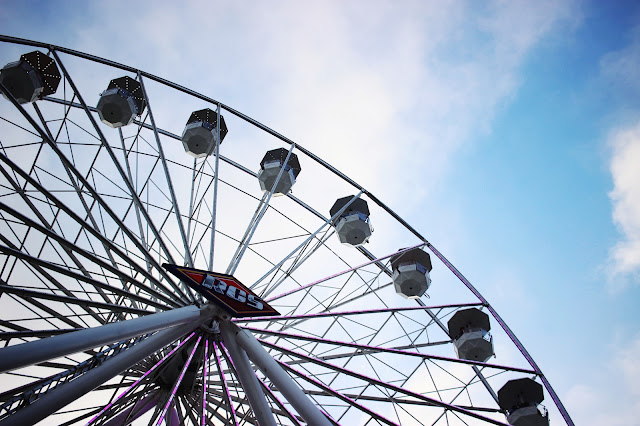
508, 133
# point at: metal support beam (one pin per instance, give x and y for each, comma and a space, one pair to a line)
214, 207
304, 243
246, 375
381, 384
4, 288
291, 391
253, 225
84, 384
364, 349
98, 197
163, 160
25, 354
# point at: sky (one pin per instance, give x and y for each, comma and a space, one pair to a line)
506, 132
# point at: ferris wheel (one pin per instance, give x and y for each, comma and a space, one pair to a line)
167, 259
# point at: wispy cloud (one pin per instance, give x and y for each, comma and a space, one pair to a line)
625, 197
621, 66
388, 94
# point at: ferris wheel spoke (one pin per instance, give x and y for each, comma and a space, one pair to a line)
378, 383
377, 349
190, 408
80, 417
346, 271
301, 257
140, 403
329, 391
303, 244
352, 313
213, 402
24, 293
247, 378
165, 167
283, 410
243, 402
262, 209
178, 381
462, 390
144, 376
69, 392
244, 243
42, 264
123, 176
86, 226
87, 255
225, 389
135, 206
45, 277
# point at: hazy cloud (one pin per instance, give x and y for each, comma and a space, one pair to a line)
616, 402
621, 66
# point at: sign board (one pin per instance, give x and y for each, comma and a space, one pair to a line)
223, 290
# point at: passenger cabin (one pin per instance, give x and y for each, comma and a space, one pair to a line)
520, 399
469, 329
32, 77
200, 135
352, 225
121, 102
411, 273
270, 167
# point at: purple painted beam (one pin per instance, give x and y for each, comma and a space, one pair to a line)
139, 409
175, 387
278, 402
337, 394
347, 313
204, 382
377, 382
385, 350
224, 381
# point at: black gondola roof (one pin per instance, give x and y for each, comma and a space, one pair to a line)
414, 255
47, 69
207, 115
281, 154
132, 87
466, 318
519, 392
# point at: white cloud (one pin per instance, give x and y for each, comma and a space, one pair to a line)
616, 401
387, 94
625, 197
619, 68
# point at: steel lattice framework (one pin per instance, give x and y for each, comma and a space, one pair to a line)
88, 214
